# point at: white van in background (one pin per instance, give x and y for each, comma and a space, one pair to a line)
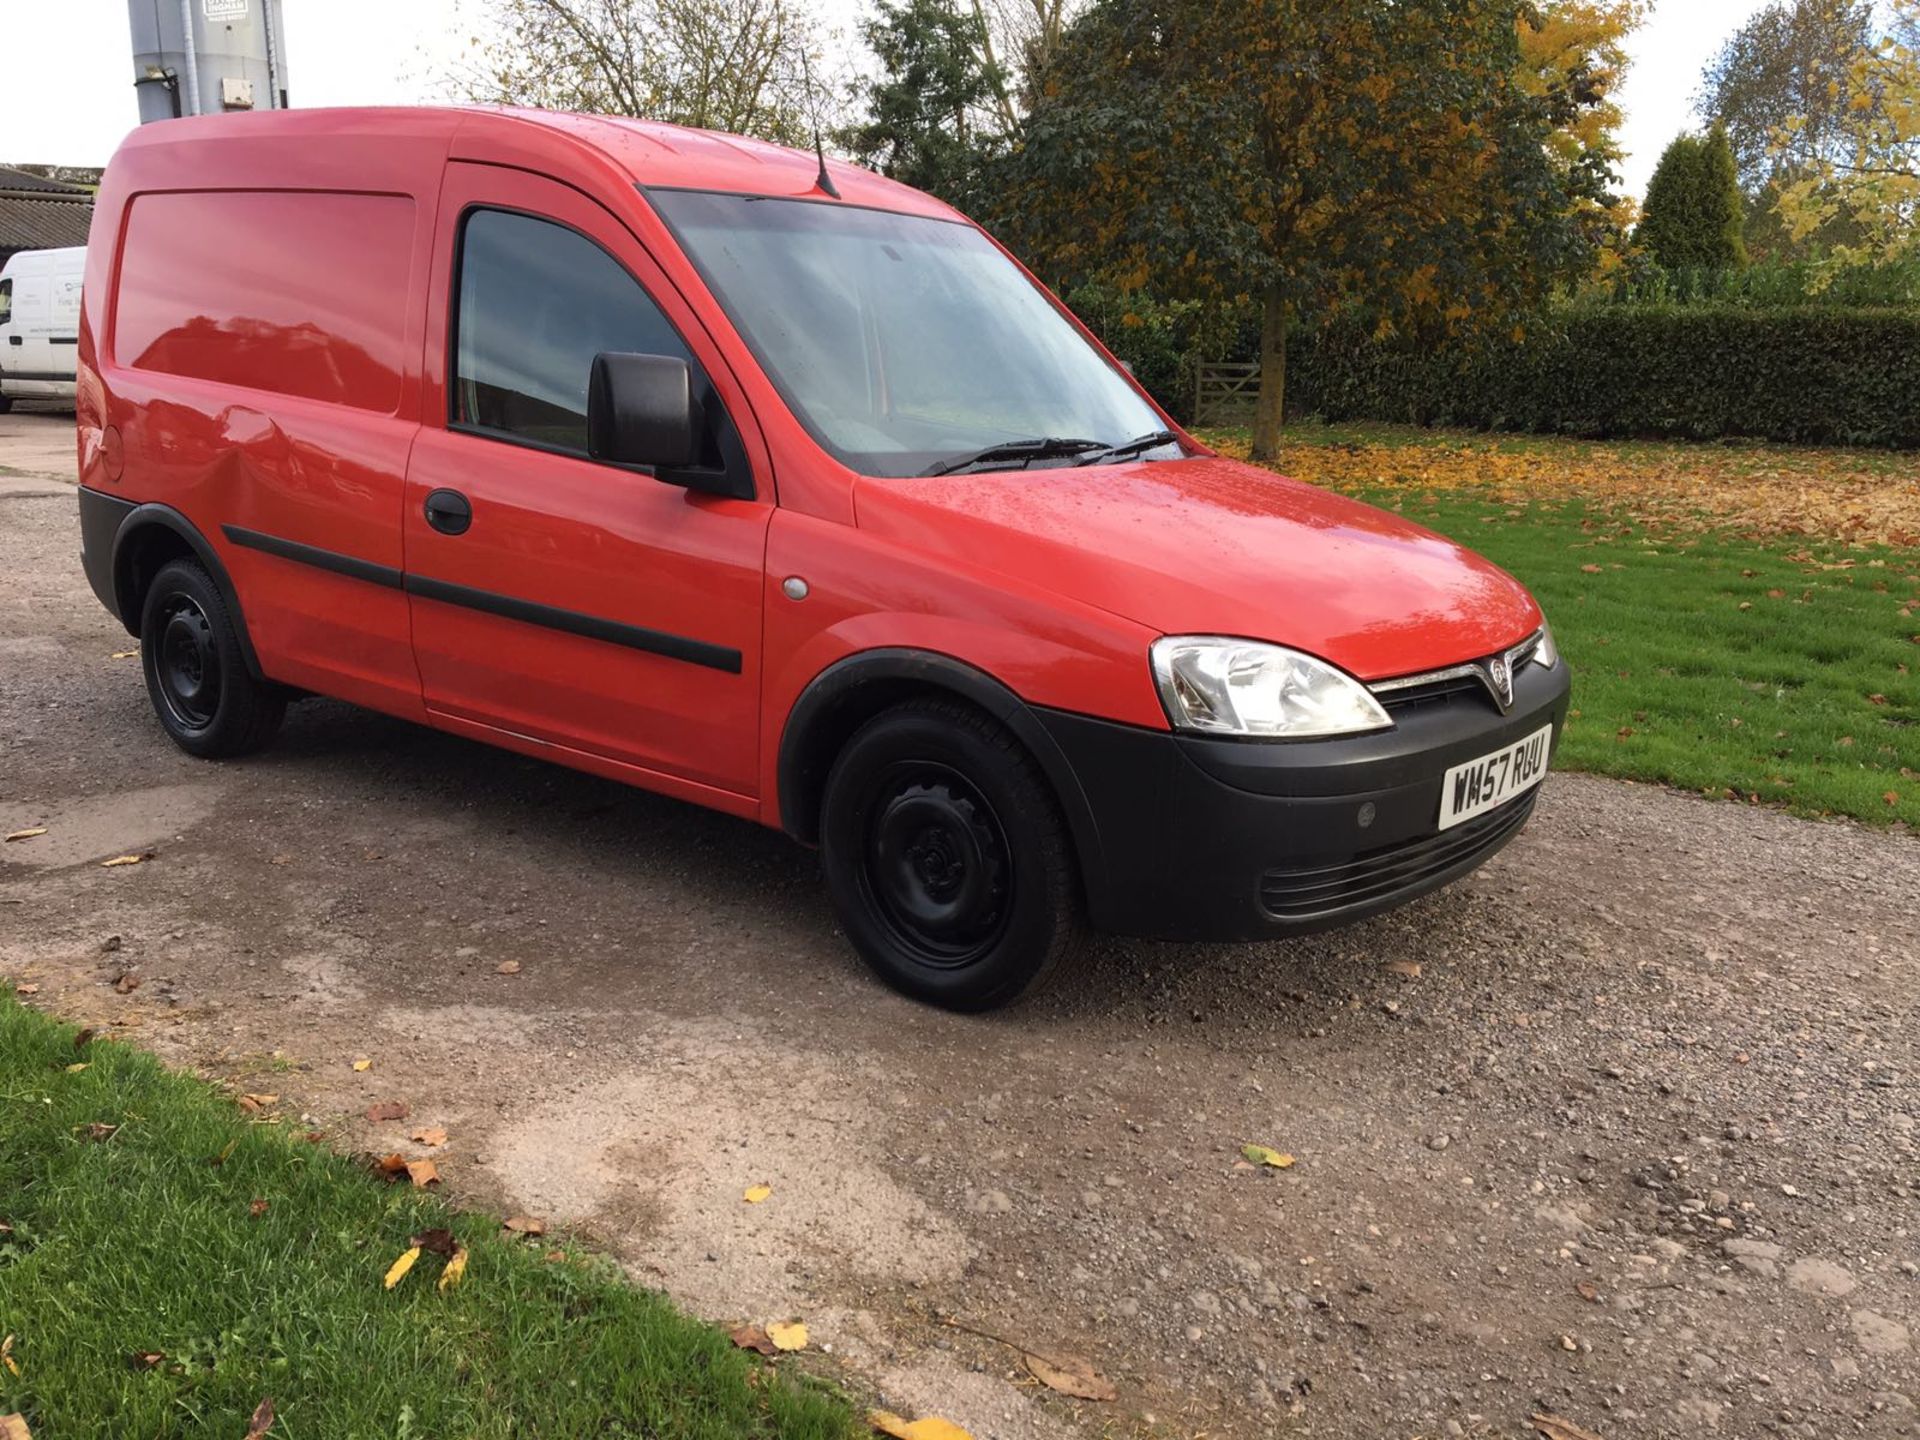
40, 324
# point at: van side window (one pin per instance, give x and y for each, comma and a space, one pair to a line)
537, 302
6, 301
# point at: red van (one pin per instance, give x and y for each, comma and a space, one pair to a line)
781, 488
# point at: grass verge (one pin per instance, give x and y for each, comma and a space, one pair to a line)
128, 1238
1781, 670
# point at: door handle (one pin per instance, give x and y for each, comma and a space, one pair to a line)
16, 340
449, 512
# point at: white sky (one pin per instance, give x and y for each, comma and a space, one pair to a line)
67, 96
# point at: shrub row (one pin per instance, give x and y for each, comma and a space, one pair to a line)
1815, 375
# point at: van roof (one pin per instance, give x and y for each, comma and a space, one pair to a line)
646, 152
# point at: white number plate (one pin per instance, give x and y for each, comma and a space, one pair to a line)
1477, 786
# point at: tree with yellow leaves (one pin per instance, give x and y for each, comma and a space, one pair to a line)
1573, 58
1873, 180
1422, 164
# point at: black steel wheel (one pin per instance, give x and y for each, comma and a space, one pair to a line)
946, 857
187, 664
197, 676
937, 865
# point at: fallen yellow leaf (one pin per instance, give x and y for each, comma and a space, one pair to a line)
423, 1173
363, 1063
1261, 1155
14, 1427
77, 1067
788, 1336
1070, 1375
26, 834
429, 1135
143, 856
401, 1267
262, 1420
456, 1270
756, 1193
123, 654
6, 1356
1558, 1427
931, 1427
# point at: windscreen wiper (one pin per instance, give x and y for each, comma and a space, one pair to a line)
1024, 451
1139, 445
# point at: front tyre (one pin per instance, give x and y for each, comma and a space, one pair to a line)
196, 674
947, 859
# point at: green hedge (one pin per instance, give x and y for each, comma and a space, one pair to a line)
1812, 375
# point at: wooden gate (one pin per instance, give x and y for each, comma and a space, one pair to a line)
1225, 393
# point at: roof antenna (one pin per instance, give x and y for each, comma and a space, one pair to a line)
823, 181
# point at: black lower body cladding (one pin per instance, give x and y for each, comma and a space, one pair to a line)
101, 516
1204, 839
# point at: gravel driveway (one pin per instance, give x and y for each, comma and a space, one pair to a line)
1625, 1128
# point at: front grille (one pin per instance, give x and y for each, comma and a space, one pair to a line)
1392, 869
1434, 692
1456, 684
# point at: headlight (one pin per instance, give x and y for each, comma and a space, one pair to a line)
1546, 654
1221, 686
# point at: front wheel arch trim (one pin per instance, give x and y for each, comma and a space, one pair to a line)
819, 716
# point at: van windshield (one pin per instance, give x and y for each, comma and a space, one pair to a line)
904, 344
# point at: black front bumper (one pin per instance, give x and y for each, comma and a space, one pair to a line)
1201, 839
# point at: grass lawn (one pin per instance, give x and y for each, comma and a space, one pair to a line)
151, 1293
1728, 630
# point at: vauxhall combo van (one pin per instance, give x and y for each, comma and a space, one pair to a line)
776, 487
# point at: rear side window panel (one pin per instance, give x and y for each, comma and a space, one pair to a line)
302, 293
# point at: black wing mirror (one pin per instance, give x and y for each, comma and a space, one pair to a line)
641, 410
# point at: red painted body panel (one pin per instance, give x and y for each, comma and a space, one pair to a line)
308, 311
1213, 546
561, 531
1053, 582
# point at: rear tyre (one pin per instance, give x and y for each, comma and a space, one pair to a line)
947, 858
6, 404
196, 673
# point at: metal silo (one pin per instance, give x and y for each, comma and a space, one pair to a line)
199, 57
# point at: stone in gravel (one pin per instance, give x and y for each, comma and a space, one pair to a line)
1694, 1413
991, 1202
1561, 1217
1439, 1142
1878, 1335
1205, 1301
1759, 1256
1820, 1277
